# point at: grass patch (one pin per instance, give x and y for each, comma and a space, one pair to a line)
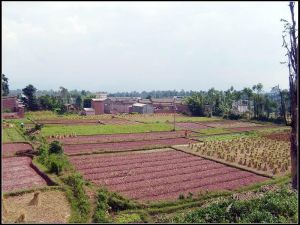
104, 129
12, 135
231, 136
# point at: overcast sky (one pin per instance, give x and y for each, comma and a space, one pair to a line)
127, 46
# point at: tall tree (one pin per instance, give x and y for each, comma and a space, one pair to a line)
78, 102
290, 43
30, 100
5, 88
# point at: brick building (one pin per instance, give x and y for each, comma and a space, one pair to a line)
12, 108
98, 105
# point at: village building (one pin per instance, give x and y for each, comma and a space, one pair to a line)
98, 105
141, 108
88, 112
12, 108
114, 105
241, 106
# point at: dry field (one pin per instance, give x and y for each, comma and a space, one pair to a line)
71, 149
11, 149
261, 154
53, 207
160, 175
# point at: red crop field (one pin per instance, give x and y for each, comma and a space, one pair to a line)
10, 149
18, 174
160, 175
123, 146
191, 126
284, 136
120, 137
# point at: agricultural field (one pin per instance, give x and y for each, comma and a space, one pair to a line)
18, 174
119, 137
49, 130
10, 149
160, 175
256, 153
87, 121
165, 118
191, 126
71, 149
142, 159
230, 124
53, 207
11, 134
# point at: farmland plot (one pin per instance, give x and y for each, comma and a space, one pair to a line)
119, 137
64, 121
17, 174
123, 146
11, 149
260, 154
231, 124
160, 175
191, 126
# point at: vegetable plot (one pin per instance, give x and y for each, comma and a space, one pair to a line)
17, 174
160, 175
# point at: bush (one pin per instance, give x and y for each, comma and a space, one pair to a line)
57, 163
56, 148
129, 218
79, 200
117, 202
43, 154
101, 212
181, 196
233, 116
274, 207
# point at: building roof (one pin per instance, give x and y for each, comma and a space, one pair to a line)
88, 109
139, 104
98, 99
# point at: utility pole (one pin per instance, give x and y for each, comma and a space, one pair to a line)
174, 111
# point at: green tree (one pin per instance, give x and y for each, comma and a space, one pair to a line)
196, 104
78, 102
5, 88
30, 100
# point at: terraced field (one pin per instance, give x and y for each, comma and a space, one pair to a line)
11, 149
71, 149
18, 174
120, 137
160, 175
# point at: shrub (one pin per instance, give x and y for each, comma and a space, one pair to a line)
101, 212
43, 154
129, 218
274, 207
80, 202
57, 163
181, 196
117, 202
56, 148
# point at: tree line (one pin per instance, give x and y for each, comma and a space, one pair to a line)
271, 106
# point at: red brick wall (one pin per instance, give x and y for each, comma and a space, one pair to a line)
9, 103
98, 106
21, 112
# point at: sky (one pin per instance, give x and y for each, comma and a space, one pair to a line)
136, 46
